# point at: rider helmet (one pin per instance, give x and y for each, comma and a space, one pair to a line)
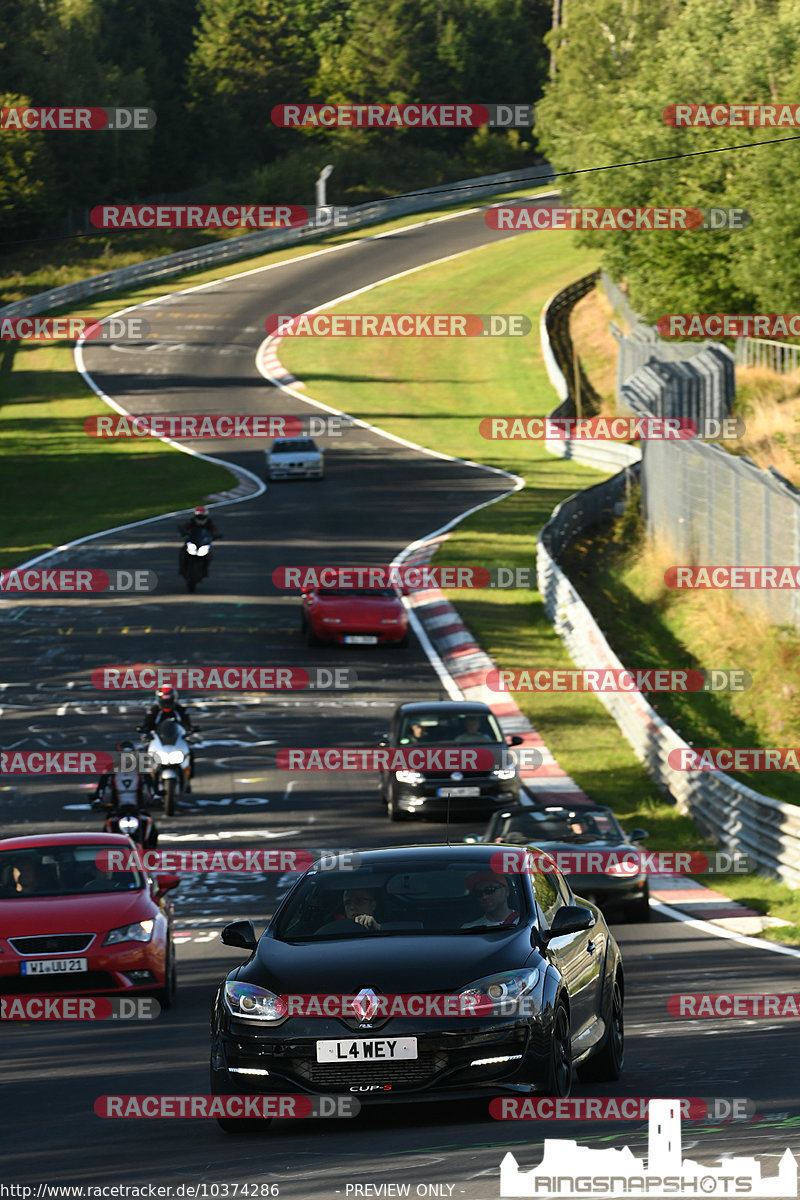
166, 697
201, 515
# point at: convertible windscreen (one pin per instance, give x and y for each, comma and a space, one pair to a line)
534, 828
408, 898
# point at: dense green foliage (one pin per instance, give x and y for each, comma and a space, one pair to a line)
213, 69
619, 64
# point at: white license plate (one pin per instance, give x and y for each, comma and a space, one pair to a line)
360, 639
53, 966
367, 1050
459, 791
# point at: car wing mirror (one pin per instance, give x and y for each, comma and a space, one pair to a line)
572, 918
638, 835
514, 739
241, 934
165, 883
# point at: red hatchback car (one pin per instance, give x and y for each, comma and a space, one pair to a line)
354, 616
68, 927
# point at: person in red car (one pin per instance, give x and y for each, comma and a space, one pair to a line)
25, 878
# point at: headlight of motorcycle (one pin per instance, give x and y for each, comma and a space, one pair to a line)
174, 756
253, 1003
409, 777
505, 991
201, 550
128, 824
191, 548
139, 931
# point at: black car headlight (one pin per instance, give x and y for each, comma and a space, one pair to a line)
505, 772
505, 992
252, 1003
411, 777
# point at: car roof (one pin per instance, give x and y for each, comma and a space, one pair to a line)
32, 840
444, 706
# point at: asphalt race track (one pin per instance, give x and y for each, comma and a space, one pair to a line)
378, 497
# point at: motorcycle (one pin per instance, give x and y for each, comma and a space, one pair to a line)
126, 814
196, 559
168, 747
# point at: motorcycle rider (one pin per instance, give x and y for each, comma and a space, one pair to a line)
168, 708
120, 786
194, 530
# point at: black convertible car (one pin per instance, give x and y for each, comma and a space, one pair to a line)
535, 977
572, 834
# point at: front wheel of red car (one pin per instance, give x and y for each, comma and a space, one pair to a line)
309, 636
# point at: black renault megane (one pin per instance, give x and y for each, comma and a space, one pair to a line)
425, 972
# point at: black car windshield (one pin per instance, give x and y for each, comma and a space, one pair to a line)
449, 729
562, 826
436, 896
65, 871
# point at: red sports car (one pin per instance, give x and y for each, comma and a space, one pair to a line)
68, 927
354, 616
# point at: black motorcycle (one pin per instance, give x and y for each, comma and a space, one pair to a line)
195, 558
126, 814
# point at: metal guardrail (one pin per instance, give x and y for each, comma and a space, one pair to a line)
250, 244
761, 352
737, 818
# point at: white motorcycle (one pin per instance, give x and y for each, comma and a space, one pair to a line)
168, 747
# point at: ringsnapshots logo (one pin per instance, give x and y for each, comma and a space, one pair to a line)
143, 677
616, 679
727, 577
205, 1107
402, 578
722, 116
727, 325
87, 329
217, 216
516, 217
571, 1171
399, 325
403, 116
76, 580
76, 119
219, 426
79, 1008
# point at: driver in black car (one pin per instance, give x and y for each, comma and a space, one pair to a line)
358, 905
